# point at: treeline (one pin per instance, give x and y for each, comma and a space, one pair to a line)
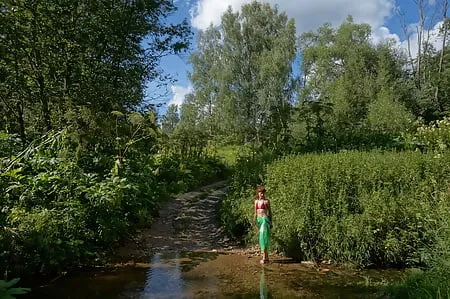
82, 156
348, 92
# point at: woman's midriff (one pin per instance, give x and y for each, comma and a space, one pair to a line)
261, 212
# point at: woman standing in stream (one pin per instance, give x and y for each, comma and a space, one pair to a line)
263, 219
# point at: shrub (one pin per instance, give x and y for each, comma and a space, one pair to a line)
236, 211
432, 137
364, 208
434, 281
56, 213
7, 289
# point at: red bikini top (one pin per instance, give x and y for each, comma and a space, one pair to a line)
260, 204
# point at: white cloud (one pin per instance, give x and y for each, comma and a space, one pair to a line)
308, 15
179, 92
206, 12
432, 35
383, 33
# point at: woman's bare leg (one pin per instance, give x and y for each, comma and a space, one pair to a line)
263, 257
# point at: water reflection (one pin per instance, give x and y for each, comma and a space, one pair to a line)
213, 275
263, 291
163, 279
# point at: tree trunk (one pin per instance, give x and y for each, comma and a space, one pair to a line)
44, 101
441, 58
21, 121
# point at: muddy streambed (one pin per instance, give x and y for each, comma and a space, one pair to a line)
209, 274
185, 254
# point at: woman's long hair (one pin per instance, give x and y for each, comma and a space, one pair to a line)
259, 189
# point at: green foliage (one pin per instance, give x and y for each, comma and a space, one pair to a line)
236, 211
419, 284
7, 291
434, 281
229, 154
388, 117
180, 174
242, 76
433, 137
363, 208
353, 91
67, 58
81, 160
55, 213
170, 120
430, 89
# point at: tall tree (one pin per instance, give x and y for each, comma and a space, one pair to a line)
249, 73
73, 62
170, 119
205, 76
426, 67
347, 79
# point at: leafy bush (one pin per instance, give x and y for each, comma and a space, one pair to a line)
181, 175
364, 208
55, 213
434, 281
371, 209
432, 137
7, 291
236, 213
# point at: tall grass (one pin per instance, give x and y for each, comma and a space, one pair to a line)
366, 208
434, 281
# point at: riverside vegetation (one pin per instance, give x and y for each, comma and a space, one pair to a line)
379, 208
353, 150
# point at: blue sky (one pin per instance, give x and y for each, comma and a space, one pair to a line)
382, 15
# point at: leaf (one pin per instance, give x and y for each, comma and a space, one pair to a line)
12, 282
13, 173
117, 113
18, 291
135, 118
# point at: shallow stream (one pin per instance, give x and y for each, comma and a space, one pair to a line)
197, 274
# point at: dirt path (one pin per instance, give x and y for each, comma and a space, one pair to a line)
188, 222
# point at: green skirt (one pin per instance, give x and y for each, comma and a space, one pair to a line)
264, 232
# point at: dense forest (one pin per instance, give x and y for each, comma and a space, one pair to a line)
83, 158
358, 131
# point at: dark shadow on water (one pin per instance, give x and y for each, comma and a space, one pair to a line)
284, 261
194, 258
